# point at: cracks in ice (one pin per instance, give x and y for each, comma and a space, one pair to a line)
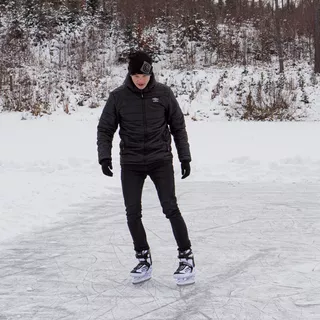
226, 226
241, 267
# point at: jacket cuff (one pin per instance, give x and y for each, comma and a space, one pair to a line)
104, 160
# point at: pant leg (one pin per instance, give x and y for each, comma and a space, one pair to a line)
162, 176
132, 180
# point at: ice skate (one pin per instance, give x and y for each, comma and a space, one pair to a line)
185, 274
142, 272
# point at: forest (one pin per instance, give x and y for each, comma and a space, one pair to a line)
76, 44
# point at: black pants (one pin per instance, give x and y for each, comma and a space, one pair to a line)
162, 175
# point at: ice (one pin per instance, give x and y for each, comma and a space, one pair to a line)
256, 247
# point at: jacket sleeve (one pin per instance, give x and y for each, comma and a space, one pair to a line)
177, 126
107, 126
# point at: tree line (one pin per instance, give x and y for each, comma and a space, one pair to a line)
76, 40
283, 27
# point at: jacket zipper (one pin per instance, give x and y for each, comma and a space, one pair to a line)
144, 126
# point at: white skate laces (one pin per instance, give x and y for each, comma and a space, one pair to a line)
143, 270
185, 274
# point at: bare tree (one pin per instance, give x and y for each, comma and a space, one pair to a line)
317, 36
278, 38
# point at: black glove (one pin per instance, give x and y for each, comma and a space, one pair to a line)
106, 166
185, 169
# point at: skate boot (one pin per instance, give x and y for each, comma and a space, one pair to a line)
185, 273
142, 272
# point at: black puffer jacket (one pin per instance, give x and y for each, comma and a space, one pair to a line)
146, 119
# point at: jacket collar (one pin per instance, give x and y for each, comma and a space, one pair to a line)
128, 82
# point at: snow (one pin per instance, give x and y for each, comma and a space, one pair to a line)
251, 205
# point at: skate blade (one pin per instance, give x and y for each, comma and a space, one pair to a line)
185, 281
178, 276
136, 280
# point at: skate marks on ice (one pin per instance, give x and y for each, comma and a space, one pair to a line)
78, 270
257, 254
266, 241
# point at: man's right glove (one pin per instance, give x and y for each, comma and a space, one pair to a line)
106, 166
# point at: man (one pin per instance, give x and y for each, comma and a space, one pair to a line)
147, 114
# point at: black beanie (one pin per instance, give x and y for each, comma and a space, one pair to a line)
140, 63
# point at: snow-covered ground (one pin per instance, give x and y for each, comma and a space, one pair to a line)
49, 164
251, 204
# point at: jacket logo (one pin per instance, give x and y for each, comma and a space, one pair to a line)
155, 100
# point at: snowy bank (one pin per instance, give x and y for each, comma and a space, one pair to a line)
50, 164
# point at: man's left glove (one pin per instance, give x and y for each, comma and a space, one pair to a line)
106, 166
185, 169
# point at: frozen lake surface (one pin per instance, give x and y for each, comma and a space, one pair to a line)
257, 251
